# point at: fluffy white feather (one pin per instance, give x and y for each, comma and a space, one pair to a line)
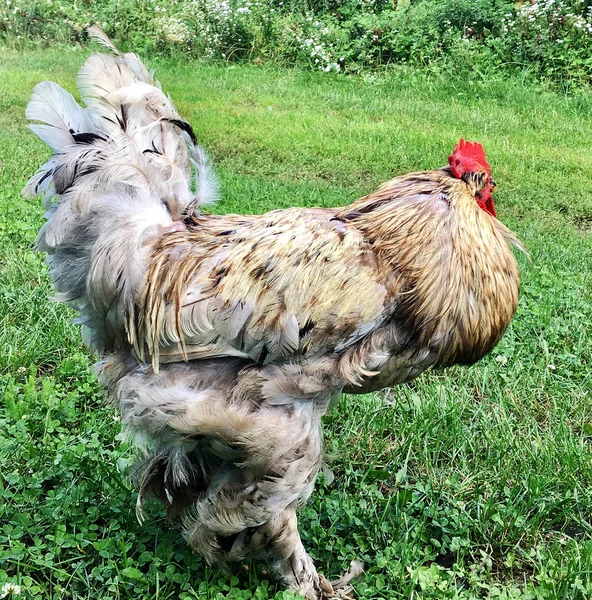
62, 115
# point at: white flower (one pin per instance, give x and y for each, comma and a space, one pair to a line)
502, 360
10, 589
174, 30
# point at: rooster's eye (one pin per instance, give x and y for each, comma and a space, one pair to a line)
479, 195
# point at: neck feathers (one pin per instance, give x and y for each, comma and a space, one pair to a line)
449, 267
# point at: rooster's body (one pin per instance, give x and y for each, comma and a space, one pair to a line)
252, 324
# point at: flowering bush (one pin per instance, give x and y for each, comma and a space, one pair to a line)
551, 39
554, 37
309, 40
228, 29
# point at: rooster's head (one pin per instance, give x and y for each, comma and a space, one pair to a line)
468, 163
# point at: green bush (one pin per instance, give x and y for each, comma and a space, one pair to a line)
554, 38
549, 39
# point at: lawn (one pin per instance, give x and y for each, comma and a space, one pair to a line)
468, 483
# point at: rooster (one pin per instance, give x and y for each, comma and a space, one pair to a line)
224, 339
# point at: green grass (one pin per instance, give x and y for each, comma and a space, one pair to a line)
468, 483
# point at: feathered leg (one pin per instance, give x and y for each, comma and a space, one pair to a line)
280, 542
286, 556
231, 450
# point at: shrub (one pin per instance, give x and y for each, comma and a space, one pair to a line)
554, 37
551, 39
230, 29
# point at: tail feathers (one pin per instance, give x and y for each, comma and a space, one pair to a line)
62, 115
129, 123
124, 168
102, 74
207, 183
131, 59
42, 183
98, 35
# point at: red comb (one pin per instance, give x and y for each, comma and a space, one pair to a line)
468, 157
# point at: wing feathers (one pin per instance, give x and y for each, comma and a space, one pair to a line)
244, 285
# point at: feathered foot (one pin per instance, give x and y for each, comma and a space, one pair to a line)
295, 567
341, 588
287, 556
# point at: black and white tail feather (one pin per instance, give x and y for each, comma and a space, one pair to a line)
124, 168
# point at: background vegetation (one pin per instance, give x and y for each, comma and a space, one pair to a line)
470, 483
544, 40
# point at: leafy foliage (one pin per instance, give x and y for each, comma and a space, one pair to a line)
545, 39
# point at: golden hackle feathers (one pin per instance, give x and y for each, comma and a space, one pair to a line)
460, 278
